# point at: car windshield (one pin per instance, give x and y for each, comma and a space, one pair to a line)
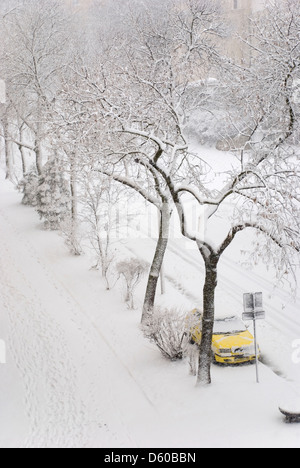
228, 326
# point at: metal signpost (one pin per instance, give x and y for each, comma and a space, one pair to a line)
253, 310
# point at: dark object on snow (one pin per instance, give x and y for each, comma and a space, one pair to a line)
290, 417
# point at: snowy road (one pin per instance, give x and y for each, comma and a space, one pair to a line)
282, 308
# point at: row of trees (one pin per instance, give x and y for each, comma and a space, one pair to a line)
124, 103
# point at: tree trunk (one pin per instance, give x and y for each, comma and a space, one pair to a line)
73, 187
74, 206
22, 150
38, 157
8, 152
8, 163
165, 216
205, 356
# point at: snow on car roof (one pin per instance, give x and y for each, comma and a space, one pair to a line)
229, 325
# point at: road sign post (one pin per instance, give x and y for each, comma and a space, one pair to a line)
253, 310
256, 350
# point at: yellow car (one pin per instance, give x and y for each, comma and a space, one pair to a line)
232, 343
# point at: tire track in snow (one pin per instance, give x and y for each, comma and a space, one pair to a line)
276, 318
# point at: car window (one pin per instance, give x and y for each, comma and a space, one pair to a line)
229, 325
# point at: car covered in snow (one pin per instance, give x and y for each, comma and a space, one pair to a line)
232, 342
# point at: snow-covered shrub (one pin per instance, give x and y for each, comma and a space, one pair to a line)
72, 234
132, 271
167, 329
28, 186
53, 196
193, 322
101, 215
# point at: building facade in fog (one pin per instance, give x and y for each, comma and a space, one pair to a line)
79, 5
238, 12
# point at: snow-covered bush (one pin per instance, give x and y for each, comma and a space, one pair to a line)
53, 196
101, 214
72, 234
167, 329
28, 186
193, 322
132, 271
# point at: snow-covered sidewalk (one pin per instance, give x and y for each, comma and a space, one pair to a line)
68, 373
80, 374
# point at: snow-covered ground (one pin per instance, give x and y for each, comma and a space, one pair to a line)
80, 374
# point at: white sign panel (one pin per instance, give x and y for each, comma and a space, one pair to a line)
253, 302
260, 315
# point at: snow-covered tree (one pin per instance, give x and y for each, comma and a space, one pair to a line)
260, 190
149, 187
28, 187
101, 200
132, 271
34, 49
142, 96
83, 124
53, 195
